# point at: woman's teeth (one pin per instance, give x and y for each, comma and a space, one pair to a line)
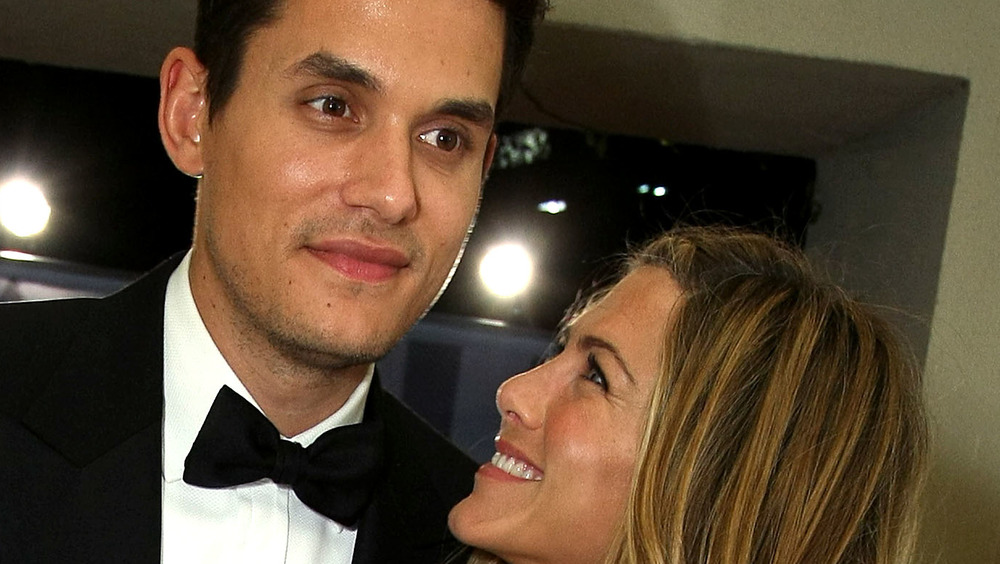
516, 468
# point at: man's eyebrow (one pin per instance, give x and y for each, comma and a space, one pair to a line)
326, 65
476, 111
329, 66
594, 342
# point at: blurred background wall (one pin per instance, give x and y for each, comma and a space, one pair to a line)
963, 357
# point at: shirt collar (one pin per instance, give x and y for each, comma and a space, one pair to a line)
194, 371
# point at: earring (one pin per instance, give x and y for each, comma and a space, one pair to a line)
197, 139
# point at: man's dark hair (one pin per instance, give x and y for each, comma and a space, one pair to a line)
224, 28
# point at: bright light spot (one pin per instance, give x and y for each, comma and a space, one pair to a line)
552, 206
644, 189
23, 209
660, 191
506, 270
17, 255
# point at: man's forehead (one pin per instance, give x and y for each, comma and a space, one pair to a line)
380, 11
453, 49
362, 30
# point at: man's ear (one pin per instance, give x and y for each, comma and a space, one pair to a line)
491, 148
183, 109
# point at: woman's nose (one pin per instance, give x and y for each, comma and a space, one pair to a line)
522, 399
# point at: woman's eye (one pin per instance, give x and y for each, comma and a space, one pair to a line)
444, 139
595, 374
332, 106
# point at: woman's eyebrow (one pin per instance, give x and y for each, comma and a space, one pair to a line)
595, 342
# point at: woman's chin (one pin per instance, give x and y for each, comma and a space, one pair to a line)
456, 522
475, 524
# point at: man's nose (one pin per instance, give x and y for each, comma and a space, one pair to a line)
385, 181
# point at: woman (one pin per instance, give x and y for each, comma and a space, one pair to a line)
718, 404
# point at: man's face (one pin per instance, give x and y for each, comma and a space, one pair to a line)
341, 178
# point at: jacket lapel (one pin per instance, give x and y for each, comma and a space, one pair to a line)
102, 412
406, 521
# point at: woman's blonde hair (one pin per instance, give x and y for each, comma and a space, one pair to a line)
787, 425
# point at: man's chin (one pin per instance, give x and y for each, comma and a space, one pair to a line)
331, 354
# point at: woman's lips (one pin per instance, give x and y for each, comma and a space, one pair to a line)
510, 462
359, 261
516, 467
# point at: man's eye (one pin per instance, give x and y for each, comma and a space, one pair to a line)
444, 139
332, 106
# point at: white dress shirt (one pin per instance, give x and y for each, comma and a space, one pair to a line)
259, 522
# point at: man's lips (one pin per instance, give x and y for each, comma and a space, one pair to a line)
361, 261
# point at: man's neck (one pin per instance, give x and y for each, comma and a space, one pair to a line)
294, 387
295, 400
294, 393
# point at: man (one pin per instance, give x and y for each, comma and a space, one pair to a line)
340, 146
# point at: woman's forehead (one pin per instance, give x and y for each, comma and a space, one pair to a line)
633, 315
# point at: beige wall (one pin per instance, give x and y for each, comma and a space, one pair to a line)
961, 38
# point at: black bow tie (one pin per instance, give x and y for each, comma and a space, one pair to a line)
335, 475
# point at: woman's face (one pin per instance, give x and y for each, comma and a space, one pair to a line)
569, 433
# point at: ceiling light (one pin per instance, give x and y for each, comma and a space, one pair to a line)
506, 270
23, 209
552, 206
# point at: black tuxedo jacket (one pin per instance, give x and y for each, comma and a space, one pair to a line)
81, 409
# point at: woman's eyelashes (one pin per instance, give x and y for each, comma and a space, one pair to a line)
592, 369
595, 373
